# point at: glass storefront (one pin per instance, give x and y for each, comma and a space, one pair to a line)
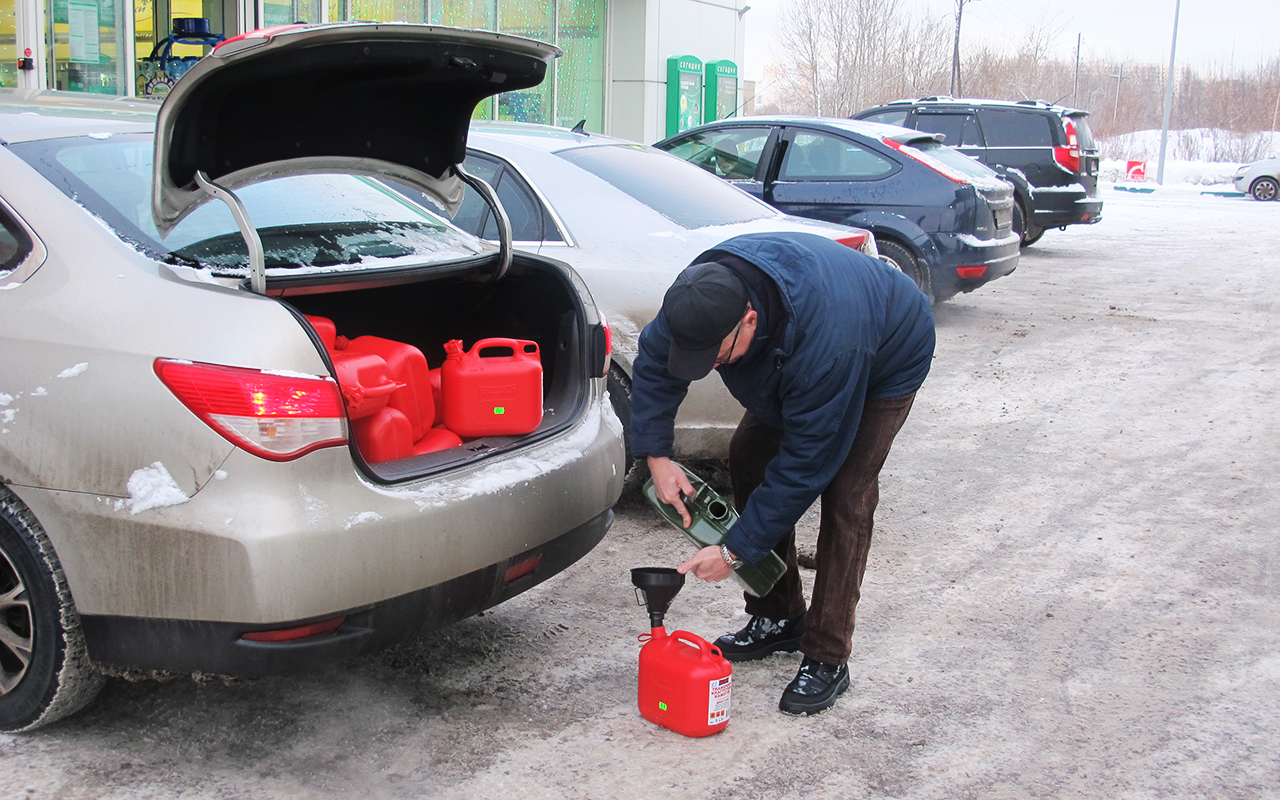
84, 38
8, 43
82, 45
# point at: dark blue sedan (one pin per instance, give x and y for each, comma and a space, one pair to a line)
937, 215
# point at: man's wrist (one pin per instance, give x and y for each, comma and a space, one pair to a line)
729, 558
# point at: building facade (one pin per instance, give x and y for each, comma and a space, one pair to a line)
613, 75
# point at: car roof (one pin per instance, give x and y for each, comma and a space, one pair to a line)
1040, 105
30, 115
547, 138
874, 130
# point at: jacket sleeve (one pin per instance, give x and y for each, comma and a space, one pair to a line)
820, 416
655, 394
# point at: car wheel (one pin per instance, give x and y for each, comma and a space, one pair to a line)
619, 385
1030, 233
901, 259
1264, 189
45, 672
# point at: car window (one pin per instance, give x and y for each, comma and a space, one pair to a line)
1084, 136
530, 219
14, 244
898, 118
732, 154
1015, 128
960, 128
679, 191
821, 157
958, 162
305, 221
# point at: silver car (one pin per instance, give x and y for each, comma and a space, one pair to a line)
1260, 180
207, 318
628, 217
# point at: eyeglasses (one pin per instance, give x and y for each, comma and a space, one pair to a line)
732, 345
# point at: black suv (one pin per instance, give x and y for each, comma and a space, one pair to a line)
1046, 151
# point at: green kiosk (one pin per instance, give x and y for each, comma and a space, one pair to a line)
684, 93
722, 90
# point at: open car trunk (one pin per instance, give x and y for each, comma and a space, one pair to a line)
534, 302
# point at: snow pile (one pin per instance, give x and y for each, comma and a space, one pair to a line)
1200, 156
152, 487
71, 372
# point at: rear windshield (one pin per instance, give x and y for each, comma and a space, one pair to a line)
1084, 136
307, 222
683, 193
957, 161
1016, 128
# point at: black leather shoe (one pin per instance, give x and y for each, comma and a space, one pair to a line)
761, 637
814, 688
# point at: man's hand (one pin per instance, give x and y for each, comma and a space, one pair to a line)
707, 564
670, 482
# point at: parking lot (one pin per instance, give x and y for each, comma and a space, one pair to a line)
1072, 593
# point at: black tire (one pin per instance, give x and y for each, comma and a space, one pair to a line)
1265, 189
1030, 233
45, 671
901, 259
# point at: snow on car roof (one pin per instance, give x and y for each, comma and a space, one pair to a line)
32, 115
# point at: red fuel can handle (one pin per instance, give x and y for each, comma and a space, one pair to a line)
493, 389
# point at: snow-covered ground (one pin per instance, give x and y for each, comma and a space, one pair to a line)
1200, 157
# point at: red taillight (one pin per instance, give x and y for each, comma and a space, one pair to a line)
1069, 157
278, 416
298, 632
971, 272
608, 346
855, 239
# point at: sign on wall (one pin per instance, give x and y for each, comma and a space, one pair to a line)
684, 93
722, 90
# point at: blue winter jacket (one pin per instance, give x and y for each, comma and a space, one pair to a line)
857, 330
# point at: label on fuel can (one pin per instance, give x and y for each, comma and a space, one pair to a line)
718, 702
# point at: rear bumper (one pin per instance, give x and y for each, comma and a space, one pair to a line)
1056, 206
207, 646
981, 260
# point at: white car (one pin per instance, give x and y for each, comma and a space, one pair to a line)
1260, 180
628, 218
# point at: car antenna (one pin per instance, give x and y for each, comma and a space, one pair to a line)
580, 128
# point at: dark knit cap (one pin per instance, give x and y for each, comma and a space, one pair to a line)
702, 307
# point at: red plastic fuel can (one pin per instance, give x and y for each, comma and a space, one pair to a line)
494, 389
685, 683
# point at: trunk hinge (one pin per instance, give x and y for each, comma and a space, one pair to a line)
504, 222
257, 260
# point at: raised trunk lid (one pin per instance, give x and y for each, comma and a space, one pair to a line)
391, 100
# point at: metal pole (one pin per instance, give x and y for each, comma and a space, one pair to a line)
1168, 94
1075, 91
955, 53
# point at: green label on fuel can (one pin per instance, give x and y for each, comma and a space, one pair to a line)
499, 410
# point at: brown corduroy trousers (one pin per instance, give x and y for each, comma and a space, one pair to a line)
844, 533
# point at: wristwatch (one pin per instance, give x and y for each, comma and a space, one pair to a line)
729, 558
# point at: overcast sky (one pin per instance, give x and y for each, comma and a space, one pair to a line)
1231, 34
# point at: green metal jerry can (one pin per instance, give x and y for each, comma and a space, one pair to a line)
712, 517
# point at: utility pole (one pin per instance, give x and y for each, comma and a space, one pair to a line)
956, 91
1119, 78
1168, 95
1075, 91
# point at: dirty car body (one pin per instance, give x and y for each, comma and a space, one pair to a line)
182, 486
